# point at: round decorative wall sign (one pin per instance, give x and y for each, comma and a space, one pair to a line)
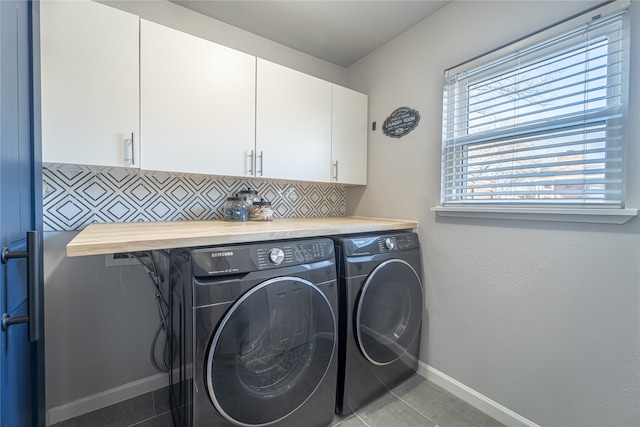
402, 121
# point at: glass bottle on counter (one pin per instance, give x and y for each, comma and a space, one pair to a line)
250, 195
262, 211
236, 209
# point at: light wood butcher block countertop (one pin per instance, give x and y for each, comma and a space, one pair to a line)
107, 238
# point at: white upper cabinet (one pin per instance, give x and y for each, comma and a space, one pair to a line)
349, 136
293, 124
197, 112
90, 84
120, 91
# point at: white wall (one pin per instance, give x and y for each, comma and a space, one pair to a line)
541, 317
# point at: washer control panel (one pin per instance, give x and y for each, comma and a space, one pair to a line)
379, 244
243, 258
292, 253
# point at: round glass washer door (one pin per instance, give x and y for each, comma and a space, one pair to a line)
389, 312
270, 351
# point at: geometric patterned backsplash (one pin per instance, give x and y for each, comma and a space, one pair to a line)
75, 196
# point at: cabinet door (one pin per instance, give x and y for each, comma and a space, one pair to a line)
293, 124
349, 136
197, 110
90, 84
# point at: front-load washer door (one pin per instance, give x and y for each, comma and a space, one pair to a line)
388, 313
270, 351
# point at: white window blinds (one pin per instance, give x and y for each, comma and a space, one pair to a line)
542, 126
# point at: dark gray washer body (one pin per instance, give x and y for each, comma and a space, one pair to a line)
254, 342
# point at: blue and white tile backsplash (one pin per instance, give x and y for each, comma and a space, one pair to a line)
75, 196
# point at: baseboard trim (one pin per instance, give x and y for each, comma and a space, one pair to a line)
106, 398
472, 397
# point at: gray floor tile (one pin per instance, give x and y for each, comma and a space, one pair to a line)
388, 410
121, 414
348, 421
161, 401
440, 406
337, 419
163, 420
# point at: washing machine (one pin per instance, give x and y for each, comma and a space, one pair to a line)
253, 334
380, 317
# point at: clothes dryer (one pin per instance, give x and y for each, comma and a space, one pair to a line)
381, 308
254, 334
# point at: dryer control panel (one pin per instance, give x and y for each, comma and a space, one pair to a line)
238, 259
380, 244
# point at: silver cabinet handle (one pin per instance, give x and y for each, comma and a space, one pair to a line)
261, 156
129, 148
35, 280
250, 170
133, 151
335, 171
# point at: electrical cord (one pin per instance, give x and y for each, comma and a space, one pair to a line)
152, 354
157, 279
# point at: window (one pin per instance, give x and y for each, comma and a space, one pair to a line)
543, 126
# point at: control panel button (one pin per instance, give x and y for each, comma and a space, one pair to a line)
276, 255
389, 243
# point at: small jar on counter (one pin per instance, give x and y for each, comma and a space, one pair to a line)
250, 195
262, 211
236, 209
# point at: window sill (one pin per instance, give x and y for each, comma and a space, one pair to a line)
593, 215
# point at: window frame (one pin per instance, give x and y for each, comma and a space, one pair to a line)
566, 210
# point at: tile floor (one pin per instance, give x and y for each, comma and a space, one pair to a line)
416, 403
